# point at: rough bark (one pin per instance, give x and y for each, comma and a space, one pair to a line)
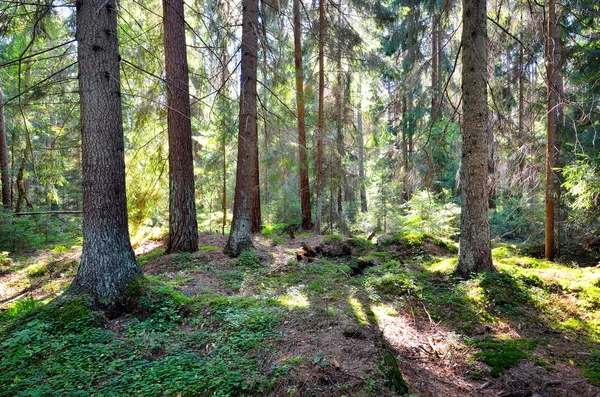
405, 181
434, 69
4, 174
552, 113
474, 252
361, 156
240, 237
107, 260
302, 154
320, 118
256, 214
183, 226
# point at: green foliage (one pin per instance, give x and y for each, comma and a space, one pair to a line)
360, 243
503, 354
18, 233
63, 349
411, 238
5, 260
591, 368
248, 258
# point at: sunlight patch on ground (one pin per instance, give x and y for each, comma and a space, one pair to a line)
358, 310
443, 265
295, 298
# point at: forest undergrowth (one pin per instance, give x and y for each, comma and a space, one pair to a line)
339, 317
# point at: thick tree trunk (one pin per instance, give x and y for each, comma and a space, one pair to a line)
183, 226
256, 214
240, 237
302, 153
552, 91
320, 118
474, 253
107, 260
4, 174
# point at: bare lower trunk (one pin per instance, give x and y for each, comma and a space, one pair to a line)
240, 237
256, 215
361, 156
474, 252
107, 260
4, 175
183, 226
302, 154
320, 118
552, 91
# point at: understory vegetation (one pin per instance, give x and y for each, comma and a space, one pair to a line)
269, 323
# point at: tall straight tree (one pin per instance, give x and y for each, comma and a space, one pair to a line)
320, 118
474, 253
107, 260
552, 84
183, 226
302, 155
4, 175
240, 236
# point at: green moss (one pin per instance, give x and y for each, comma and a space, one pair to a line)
38, 270
209, 248
410, 238
389, 366
332, 238
144, 259
503, 354
449, 245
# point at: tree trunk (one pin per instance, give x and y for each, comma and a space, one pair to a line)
320, 117
434, 67
552, 91
405, 151
256, 215
474, 253
361, 155
302, 153
4, 174
107, 260
21, 188
240, 236
183, 226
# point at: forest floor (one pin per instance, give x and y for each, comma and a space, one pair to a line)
357, 319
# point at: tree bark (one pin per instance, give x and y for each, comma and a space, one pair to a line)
4, 174
474, 252
256, 215
240, 237
320, 118
183, 226
552, 107
107, 260
361, 155
302, 153
434, 67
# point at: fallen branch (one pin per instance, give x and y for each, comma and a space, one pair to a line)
48, 212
